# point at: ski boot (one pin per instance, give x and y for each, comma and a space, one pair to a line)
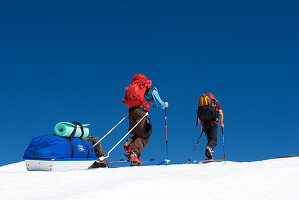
209, 153
134, 159
128, 148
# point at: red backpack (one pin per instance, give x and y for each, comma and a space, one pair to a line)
134, 96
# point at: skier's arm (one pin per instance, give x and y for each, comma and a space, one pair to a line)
221, 118
157, 100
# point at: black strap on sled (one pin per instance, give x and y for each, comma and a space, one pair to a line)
75, 129
37, 144
86, 146
70, 141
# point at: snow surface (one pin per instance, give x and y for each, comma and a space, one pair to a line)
269, 179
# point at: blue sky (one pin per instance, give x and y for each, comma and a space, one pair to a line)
71, 60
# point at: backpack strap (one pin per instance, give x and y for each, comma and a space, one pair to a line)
197, 113
75, 129
217, 111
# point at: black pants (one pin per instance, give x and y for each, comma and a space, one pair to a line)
211, 134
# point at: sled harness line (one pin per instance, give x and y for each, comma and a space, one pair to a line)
110, 130
102, 158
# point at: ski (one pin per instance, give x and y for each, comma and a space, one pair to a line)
164, 162
126, 161
208, 161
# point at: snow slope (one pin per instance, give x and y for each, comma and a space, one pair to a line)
269, 179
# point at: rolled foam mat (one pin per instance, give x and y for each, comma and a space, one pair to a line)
65, 129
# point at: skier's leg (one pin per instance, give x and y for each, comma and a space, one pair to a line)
207, 130
139, 144
128, 145
135, 116
208, 149
213, 136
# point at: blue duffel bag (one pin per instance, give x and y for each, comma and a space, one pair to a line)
49, 147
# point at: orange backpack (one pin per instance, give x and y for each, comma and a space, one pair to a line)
207, 99
207, 108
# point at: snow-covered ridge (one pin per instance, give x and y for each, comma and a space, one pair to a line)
269, 179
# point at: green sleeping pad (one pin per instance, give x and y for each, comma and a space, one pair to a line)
65, 129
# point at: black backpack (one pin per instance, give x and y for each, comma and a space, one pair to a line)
206, 110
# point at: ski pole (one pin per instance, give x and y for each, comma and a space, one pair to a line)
102, 158
223, 145
167, 161
110, 131
195, 147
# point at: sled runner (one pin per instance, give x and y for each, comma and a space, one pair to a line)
57, 165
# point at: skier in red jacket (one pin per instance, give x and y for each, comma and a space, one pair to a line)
139, 96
